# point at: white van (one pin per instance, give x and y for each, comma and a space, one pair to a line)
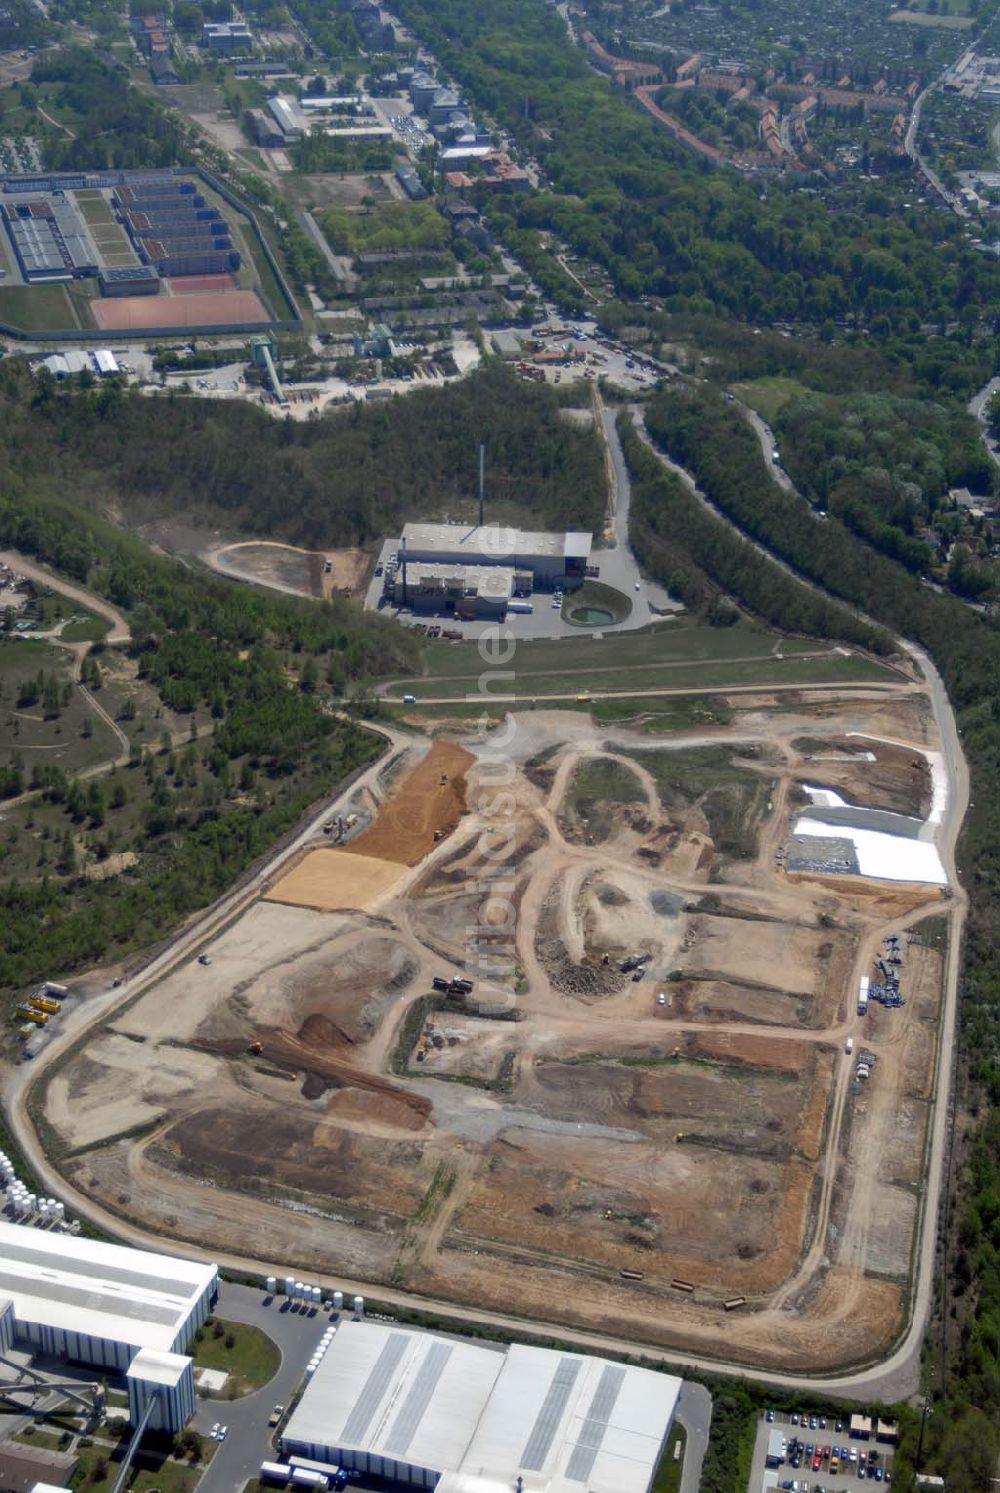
849, 1045
409, 699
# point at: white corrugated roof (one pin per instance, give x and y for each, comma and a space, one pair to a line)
153, 1366
394, 1393
103, 1290
563, 1422
566, 1422
493, 543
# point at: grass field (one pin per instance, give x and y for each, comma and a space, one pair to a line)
100, 1465
246, 1354
95, 208
604, 779
668, 1473
86, 629
71, 737
526, 684
768, 396
664, 643
37, 308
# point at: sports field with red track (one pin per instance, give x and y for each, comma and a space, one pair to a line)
207, 309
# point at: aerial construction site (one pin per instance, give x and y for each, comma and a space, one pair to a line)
657, 1113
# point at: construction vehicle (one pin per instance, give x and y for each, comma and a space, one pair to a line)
39, 1003
38, 1017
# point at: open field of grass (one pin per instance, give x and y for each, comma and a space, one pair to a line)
100, 1465
768, 396
86, 629
95, 208
604, 779
668, 1473
246, 1354
527, 684
37, 308
665, 642
58, 731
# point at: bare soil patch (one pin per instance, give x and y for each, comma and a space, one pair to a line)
335, 880
421, 810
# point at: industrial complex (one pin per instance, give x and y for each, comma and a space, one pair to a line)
481, 570
170, 229
416, 1409
430, 1412
173, 235
117, 1309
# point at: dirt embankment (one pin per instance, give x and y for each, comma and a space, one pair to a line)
322, 1051
421, 810
900, 779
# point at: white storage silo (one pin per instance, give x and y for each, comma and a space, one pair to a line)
338, 1301
359, 1306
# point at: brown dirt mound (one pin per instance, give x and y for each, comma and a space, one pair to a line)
420, 810
322, 1051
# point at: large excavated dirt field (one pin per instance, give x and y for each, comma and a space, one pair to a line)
586, 1142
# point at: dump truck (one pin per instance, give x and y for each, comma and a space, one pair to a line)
39, 1003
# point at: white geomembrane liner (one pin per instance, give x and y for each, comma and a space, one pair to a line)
881, 854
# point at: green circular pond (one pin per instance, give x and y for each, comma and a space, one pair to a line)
592, 616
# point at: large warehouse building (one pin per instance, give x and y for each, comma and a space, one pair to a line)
429, 1412
114, 1308
476, 570
552, 559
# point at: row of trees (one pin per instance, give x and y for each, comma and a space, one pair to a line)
695, 555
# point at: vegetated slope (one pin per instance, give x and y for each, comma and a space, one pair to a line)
260, 666
695, 553
664, 225
711, 439
346, 478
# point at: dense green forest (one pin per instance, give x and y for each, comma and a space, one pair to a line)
347, 478
626, 197
121, 126
261, 665
695, 553
708, 436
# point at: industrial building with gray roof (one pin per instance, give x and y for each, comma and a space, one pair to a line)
551, 557
49, 238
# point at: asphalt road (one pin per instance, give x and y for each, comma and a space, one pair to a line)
248, 1442
694, 1412
979, 407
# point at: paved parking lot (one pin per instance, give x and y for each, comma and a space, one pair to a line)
822, 1481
